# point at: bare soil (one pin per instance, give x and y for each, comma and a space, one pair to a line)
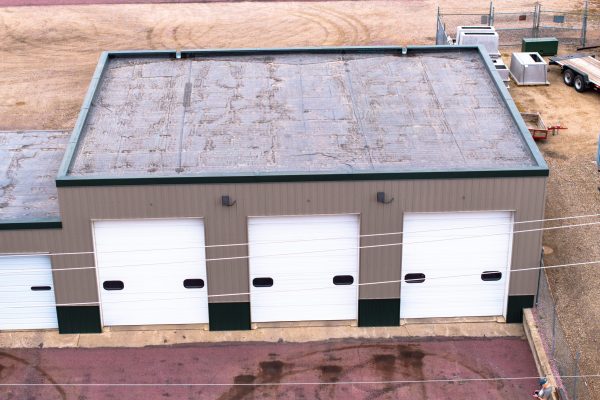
573, 189
48, 54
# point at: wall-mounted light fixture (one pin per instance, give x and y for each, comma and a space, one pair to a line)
381, 198
227, 202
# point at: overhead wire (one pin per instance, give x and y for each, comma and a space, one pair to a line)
336, 383
272, 291
30, 254
5, 271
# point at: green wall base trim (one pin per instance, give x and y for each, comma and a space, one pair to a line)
41, 224
516, 304
379, 312
229, 316
79, 319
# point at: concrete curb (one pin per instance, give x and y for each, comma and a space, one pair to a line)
142, 338
542, 362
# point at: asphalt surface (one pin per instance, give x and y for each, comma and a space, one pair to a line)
273, 370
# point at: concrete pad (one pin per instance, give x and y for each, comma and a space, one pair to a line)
142, 338
542, 361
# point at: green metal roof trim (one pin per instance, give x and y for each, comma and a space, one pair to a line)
42, 223
64, 180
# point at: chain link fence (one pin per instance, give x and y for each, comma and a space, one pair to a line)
565, 363
513, 26
578, 28
593, 29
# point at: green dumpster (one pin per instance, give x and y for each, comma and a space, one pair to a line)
544, 46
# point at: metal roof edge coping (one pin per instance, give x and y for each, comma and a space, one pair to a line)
41, 223
319, 177
512, 108
64, 180
74, 140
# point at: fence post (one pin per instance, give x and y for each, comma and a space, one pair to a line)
553, 328
537, 11
437, 26
584, 20
575, 375
537, 292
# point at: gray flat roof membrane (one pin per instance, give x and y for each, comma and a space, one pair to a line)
29, 162
297, 113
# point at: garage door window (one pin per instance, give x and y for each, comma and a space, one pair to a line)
113, 285
343, 280
414, 278
489, 276
40, 288
262, 282
193, 283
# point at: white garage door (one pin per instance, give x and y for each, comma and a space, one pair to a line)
455, 264
304, 268
151, 271
27, 293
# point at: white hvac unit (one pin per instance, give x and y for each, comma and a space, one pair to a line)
529, 69
479, 35
502, 70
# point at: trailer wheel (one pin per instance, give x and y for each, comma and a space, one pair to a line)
569, 77
580, 84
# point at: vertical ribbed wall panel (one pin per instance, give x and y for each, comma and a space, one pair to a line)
228, 224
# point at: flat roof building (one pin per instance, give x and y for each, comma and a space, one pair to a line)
29, 162
230, 182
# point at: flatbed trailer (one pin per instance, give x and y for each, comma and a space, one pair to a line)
581, 71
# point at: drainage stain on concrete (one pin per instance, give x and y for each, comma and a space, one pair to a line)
271, 371
385, 362
411, 356
41, 371
268, 372
330, 373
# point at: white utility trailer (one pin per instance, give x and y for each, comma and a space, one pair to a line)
581, 71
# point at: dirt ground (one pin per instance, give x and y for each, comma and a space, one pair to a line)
48, 54
573, 189
269, 364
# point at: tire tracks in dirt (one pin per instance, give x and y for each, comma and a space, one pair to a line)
346, 29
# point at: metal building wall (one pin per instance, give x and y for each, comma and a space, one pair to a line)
80, 205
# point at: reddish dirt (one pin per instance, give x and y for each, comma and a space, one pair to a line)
260, 363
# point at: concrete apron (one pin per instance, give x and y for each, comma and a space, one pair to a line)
155, 337
542, 361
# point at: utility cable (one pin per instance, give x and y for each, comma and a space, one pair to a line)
291, 290
304, 240
303, 252
337, 383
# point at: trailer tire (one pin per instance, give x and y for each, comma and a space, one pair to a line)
580, 84
569, 77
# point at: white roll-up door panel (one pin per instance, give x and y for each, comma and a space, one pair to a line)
455, 264
302, 255
27, 293
144, 267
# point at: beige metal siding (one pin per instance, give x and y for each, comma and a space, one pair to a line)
80, 206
